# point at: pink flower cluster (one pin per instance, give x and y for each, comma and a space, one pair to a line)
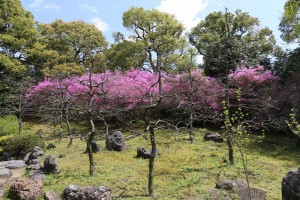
136, 88
252, 75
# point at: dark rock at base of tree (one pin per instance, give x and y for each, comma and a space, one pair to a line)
51, 146
215, 137
50, 195
229, 184
26, 189
95, 147
291, 185
50, 165
74, 192
142, 153
115, 141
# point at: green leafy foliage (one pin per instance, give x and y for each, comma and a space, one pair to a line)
24, 142
159, 33
226, 39
293, 124
8, 125
68, 46
290, 21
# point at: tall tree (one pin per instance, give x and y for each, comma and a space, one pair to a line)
159, 33
18, 36
290, 21
229, 38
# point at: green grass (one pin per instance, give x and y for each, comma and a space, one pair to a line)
182, 170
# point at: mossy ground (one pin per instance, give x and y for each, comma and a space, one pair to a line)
182, 170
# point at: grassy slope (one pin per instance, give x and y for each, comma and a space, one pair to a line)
182, 171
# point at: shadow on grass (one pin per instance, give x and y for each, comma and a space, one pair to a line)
277, 147
130, 196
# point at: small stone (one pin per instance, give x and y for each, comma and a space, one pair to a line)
51, 146
142, 153
34, 161
215, 137
4, 173
50, 195
39, 176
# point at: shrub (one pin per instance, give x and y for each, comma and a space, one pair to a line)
19, 143
8, 125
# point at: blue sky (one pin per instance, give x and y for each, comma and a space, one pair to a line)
107, 14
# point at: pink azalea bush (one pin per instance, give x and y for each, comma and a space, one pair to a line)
135, 89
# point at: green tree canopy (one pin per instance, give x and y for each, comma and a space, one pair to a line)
159, 33
17, 36
69, 45
226, 39
290, 21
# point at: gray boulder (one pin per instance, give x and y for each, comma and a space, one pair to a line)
32, 158
74, 192
50, 165
36, 152
115, 141
291, 185
14, 164
215, 137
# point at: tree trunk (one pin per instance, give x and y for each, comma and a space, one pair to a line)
61, 127
230, 149
20, 124
191, 128
151, 160
90, 153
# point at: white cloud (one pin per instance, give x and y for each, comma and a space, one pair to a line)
89, 8
184, 10
53, 6
101, 25
36, 3
44, 4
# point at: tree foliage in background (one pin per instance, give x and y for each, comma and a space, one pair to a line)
290, 21
160, 34
124, 54
68, 45
226, 39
